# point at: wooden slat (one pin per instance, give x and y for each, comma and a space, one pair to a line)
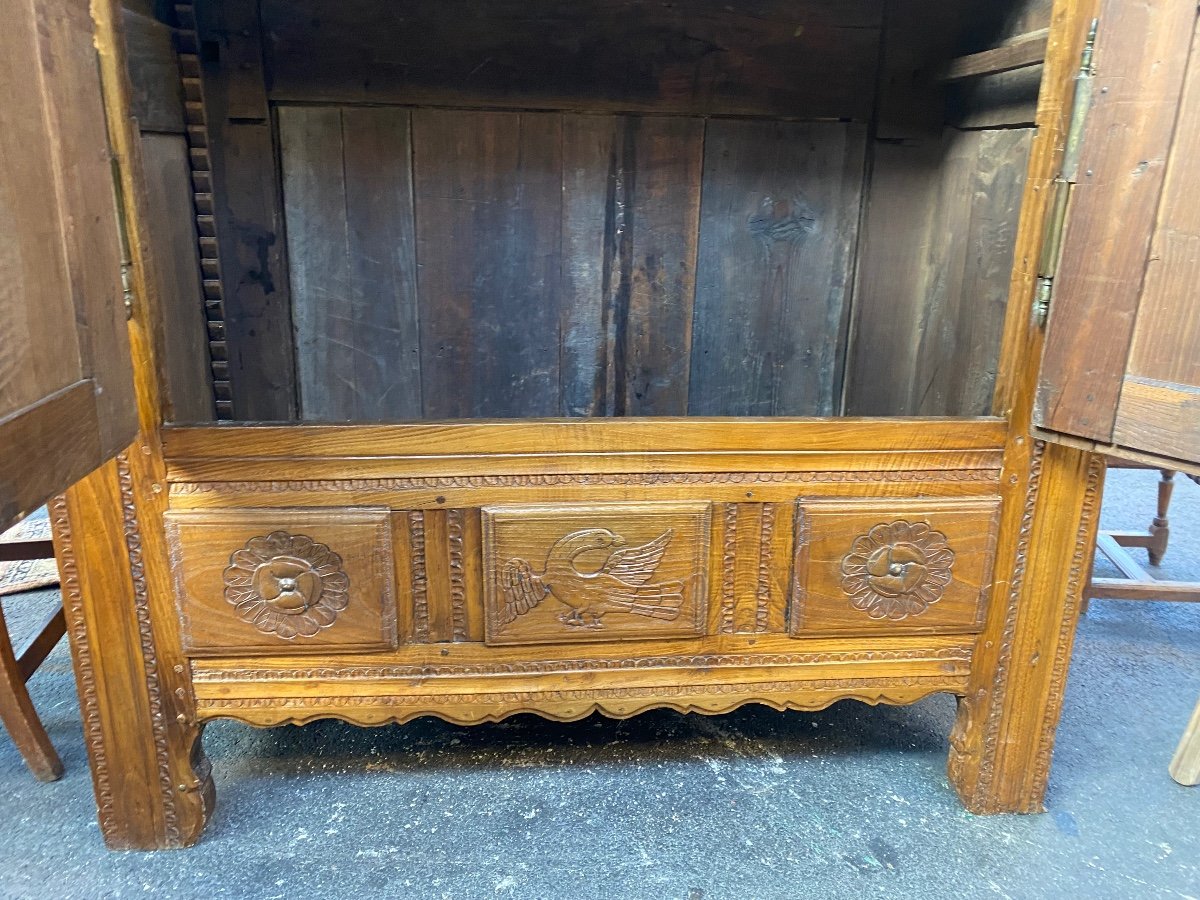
47, 447
934, 272
187, 372
597, 436
809, 59
1120, 558
662, 167
1123, 589
348, 202
45, 637
248, 215
1160, 418
14, 550
778, 230
488, 195
1159, 408
1141, 55
1024, 50
156, 90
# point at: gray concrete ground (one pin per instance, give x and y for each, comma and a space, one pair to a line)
849, 802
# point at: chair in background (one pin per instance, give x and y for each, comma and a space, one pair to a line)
17, 714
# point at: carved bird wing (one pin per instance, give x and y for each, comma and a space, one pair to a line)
636, 565
523, 590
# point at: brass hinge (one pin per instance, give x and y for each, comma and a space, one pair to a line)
1052, 240
123, 234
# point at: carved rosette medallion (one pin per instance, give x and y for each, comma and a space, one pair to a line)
286, 585
897, 570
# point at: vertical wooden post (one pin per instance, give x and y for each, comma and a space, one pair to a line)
152, 783
1003, 739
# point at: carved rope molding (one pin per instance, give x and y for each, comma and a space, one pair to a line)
420, 577
714, 661
1084, 548
141, 597
458, 570
728, 567
89, 701
766, 531
991, 476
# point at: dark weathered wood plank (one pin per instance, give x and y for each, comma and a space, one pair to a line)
778, 228
187, 374
934, 272
348, 204
592, 203
156, 91
811, 59
1141, 55
247, 215
488, 192
662, 163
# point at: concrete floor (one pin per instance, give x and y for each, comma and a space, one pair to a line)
849, 802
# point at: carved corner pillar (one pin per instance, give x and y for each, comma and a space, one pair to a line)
1003, 738
152, 782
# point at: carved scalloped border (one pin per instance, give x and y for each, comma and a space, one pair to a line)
492, 707
1080, 566
549, 667
89, 700
141, 598
597, 479
991, 738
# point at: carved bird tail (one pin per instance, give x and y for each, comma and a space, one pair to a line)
656, 601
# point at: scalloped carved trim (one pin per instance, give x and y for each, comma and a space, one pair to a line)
585, 480
576, 704
1080, 562
995, 702
711, 661
85, 672
141, 599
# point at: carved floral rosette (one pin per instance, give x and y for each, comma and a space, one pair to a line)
286, 585
897, 570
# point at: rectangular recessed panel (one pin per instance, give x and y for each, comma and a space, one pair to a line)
898, 566
595, 572
283, 580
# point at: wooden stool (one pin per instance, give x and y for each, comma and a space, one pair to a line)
16, 710
1137, 583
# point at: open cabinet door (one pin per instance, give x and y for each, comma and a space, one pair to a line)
1121, 364
66, 389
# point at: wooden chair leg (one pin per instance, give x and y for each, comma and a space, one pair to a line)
1160, 529
1185, 767
19, 717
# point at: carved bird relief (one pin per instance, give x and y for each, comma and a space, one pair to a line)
622, 583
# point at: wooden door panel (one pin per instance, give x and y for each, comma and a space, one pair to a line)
66, 394
1121, 365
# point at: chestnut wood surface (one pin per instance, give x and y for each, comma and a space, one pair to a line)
144, 699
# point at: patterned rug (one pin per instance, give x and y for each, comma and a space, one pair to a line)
28, 574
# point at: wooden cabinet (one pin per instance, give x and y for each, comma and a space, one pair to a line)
605, 357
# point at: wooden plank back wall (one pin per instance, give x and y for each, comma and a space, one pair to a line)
459, 263
588, 240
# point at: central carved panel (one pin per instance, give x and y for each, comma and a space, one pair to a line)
595, 572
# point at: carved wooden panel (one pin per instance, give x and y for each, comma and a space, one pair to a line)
283, 580
898, 566
595, 572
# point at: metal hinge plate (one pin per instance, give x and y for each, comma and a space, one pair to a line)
1052, 240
